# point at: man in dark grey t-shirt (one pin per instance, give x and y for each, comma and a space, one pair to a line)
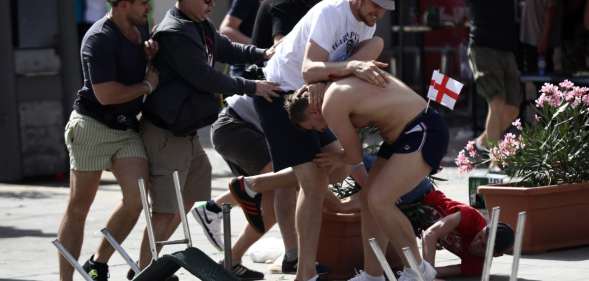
102, 132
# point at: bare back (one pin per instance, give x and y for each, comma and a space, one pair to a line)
389, 109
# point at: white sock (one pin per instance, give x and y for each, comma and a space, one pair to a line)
368, 277
480, 145
315, 278
250, 192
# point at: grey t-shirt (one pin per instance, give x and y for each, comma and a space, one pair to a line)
244, 107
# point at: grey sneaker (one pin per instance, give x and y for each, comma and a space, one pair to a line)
211, 223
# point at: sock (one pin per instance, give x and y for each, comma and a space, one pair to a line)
291, 255
479, 145
213, 207
368, 277
250, 192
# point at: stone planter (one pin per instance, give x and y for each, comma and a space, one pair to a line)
556, 215
340, 245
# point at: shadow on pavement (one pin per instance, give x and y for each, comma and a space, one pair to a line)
568, 254
25, 195
11, 232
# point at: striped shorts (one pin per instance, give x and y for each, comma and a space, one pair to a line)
92, 146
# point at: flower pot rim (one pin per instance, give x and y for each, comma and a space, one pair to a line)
521, 190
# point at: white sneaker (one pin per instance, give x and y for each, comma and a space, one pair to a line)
428, 272
211, 224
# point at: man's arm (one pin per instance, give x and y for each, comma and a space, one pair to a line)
336, 113
235, 53
230, 28
99, 56
112, 92
190, 61
316, 67
438, 230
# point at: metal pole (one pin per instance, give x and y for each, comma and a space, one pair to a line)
227, 236
146, 212
113, 242
491, 244
71, 260
382, 259
181, 210
412, 262
517, 246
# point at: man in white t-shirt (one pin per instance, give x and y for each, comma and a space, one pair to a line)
334, 39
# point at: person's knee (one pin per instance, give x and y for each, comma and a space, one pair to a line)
376, 44
377, 203
132, 206
311, 178
370, 49
78, 208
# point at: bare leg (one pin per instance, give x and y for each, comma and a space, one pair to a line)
225, 198
249, 235
272, 180
83, 187
127, 171
400, 174
285, 201
369, 226
498, 120
313, 182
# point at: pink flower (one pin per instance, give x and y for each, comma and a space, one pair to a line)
470, 147
551, 95
518, 124
566, 84
463, 162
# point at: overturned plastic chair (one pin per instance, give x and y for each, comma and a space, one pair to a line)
192, 259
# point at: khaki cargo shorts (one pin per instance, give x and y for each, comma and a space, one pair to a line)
496, 74
168, 153
92, 146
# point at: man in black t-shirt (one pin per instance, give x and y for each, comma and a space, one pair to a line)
237, 26
102, 132
276, 18
491, 54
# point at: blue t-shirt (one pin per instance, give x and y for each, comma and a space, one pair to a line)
107, 55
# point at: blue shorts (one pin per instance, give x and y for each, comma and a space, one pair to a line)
427, 133
289, 145
415, 195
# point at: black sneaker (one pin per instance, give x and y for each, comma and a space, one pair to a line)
246, 274
251, 206
98, 271
131, 275
290, 267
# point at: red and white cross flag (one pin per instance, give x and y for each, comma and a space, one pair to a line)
444, 90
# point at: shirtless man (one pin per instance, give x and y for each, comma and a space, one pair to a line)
415, 140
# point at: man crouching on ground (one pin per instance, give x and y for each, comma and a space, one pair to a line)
415, 140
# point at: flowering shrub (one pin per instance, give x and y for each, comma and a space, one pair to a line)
553, 149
